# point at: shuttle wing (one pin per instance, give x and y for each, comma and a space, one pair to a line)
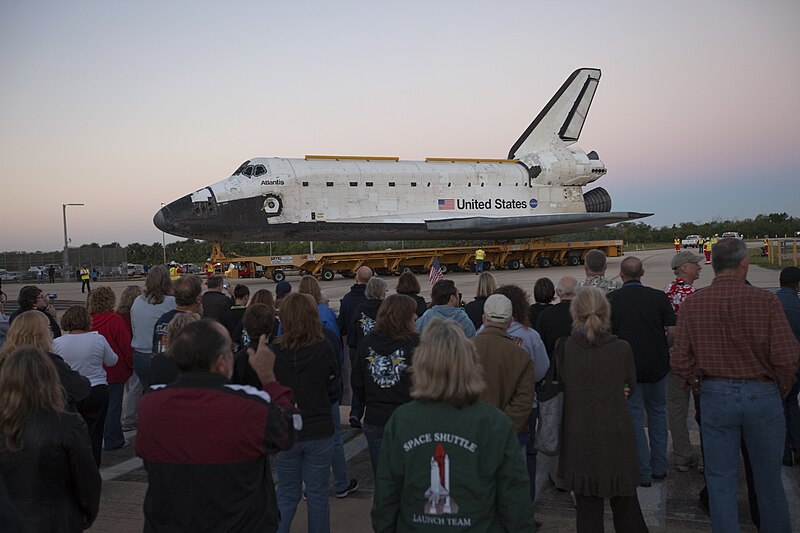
532, 226
561, 121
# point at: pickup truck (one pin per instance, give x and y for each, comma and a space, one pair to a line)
731, 234
690, 241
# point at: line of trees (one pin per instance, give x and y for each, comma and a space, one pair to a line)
774, 225
192, 251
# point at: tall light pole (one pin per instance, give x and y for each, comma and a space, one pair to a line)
65, 269
164, 240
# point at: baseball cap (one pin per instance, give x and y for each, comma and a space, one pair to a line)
497, 308
681, 258
283, 287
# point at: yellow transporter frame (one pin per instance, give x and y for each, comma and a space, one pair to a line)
326, 265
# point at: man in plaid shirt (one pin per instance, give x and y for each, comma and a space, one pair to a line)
734, 345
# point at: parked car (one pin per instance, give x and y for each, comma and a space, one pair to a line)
5, 275
191, 268
731, 234
130, 269
691, 240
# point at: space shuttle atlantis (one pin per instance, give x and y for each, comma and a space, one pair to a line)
536, 191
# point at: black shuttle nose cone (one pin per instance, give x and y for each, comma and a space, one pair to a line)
160, 220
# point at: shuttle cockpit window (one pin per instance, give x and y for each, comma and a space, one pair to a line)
248, 170
260, 170
241, 168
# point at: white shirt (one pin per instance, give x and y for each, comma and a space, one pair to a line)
86, 353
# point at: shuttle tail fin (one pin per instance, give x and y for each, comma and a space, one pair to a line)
561, 120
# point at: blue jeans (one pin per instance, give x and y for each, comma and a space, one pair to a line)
479, 266
141, 365
792, 411
356, 407
374, 436
112, 432
650, 397
530, 451
308, 462
340, 479
754, 411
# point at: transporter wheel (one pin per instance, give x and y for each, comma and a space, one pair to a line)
573, 260
278, 276
327, 274
513, 264
444, 268
487, 266
543, 262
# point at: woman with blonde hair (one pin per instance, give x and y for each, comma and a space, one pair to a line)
112, 326
445, 430
598, 446
305, 362
32, 328
487, 284
45, 454
310, 285
88, 353
381, 377
145, 312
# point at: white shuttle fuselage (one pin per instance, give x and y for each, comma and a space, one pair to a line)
537, 191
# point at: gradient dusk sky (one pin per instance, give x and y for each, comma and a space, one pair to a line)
124, 105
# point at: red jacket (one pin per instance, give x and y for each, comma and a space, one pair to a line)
112, 326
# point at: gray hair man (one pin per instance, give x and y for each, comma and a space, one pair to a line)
594, 264
749, 361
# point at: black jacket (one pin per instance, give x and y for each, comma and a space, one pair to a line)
362, 321
310, 372
214, 304
76, 387
380, 378
474, 311
553, 323
422, 305
54, 481
640, 315
163, 370
348, 304
243, 373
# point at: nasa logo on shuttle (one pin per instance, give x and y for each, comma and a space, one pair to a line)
273, 182
533, 203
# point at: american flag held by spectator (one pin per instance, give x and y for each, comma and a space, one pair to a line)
436, 271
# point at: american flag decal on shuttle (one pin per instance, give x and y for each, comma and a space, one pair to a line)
446, 204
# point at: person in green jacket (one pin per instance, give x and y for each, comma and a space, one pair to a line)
447, 459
